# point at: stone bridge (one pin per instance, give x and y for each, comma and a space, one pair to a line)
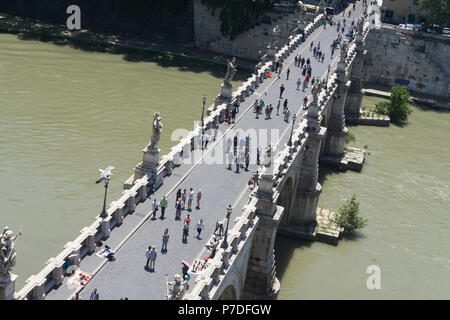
285, 201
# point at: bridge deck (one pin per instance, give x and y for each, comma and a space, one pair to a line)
126, 277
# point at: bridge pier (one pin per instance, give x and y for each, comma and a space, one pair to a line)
335, 140
305, 201
261, 282
355, 95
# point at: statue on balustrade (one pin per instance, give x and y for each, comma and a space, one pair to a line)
156, 131
275, 34
302, 12
7, 252
177, 288
318, 85
344, 49
231, 70
360, 25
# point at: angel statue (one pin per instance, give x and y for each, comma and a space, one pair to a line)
360, 25
316, 89
231, 70
302, 11
156, 130
177, 288
7, 251
344, 48
275, 33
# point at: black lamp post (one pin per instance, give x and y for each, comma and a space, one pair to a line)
203, 111
105, 176
103, 214
225, 242
292, 129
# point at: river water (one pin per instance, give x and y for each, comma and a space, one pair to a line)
67, 112
404, 192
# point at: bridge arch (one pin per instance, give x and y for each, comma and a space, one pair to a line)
285, 200
229, 293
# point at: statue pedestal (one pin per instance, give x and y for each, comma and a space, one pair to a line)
148, 164
7, 286
271, 53
227, 91
225, 95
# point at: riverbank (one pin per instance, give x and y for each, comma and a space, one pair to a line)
417, 99
28, 28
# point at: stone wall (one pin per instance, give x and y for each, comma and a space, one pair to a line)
414, 59
164, 21
207, 34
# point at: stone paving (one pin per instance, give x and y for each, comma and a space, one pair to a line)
127, 277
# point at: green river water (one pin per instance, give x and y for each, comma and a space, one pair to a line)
67, 112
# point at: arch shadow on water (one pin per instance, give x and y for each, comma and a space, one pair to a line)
162, 59
284, 250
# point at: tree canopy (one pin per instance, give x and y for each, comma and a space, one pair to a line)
439, 11
238, 16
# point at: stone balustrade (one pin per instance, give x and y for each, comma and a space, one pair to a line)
207, 286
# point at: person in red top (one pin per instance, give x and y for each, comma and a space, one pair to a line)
305, 100
188, 219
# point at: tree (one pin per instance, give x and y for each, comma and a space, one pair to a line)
238, 16
348, 216
398, 108
439, 11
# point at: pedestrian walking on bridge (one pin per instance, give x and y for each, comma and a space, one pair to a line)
163, 205
281, 91
199, 197
154, 208
165, 241
185, 232
200, 227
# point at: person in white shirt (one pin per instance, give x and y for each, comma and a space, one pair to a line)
155, 206
191, 198
200, 227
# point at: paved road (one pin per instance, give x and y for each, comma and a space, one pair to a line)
127, 277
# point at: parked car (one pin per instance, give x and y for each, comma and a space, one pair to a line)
446, 31
406, 26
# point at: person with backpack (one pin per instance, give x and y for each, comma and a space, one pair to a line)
200, 227
165, 240
185, 231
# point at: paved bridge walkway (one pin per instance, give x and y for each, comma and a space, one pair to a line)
127, 277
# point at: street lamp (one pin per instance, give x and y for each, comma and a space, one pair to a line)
292, 129
224, 242
105, 176
203, 111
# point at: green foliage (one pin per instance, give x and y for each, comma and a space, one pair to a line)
382, 108
349, 138
348, 216
238, 16
439, 11
398, 108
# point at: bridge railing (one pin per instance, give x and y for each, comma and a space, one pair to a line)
219, 267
